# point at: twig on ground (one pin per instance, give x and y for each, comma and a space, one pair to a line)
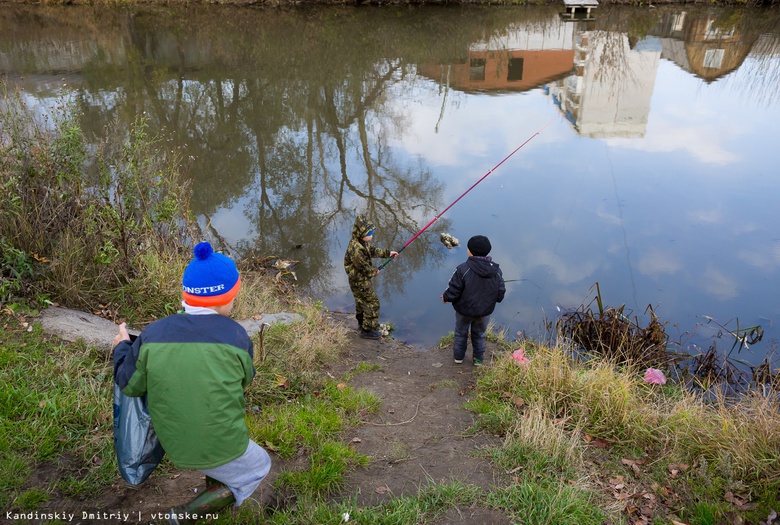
416, 410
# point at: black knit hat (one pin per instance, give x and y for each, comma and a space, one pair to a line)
479, 245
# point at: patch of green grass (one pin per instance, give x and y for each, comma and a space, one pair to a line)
312, 423
55, 402
446, 383
327, 466
397, 451
446, 340
15, 468
306, 421
495, 417
704, 513
285, 429
31, 499
546, 501
361, 368
430, 502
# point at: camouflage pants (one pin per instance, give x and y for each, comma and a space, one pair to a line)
366, 305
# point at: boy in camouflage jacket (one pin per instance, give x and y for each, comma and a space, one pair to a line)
360, 271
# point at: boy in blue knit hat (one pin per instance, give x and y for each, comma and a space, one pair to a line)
194, 367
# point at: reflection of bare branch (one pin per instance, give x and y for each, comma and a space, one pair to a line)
222, 244
444, 98
612, 67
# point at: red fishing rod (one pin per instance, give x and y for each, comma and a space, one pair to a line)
410, 241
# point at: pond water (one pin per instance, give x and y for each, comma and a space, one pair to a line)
651, 169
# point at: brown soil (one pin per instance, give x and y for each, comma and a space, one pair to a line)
419, 436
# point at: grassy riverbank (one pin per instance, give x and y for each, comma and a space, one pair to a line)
106, 228
580, 444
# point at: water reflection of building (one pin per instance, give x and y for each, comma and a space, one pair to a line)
609, 93
702, 47
521, 59
601, 81
595, 78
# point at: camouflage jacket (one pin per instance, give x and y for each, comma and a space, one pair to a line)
357, 260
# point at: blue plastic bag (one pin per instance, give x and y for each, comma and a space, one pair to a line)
138, 450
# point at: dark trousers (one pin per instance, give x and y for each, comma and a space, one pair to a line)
478, 328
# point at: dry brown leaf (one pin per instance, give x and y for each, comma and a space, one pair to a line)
384, 489
600, 443
739, 501
356, 440
663, 491
634, 464
341, 386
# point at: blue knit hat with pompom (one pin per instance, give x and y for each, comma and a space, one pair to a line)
211, 279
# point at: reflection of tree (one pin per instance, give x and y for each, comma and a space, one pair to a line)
297, 152
297, 131
309, 171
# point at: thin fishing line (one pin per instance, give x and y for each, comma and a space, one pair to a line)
494, 168
622, 226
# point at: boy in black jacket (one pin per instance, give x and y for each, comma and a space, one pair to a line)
474, 289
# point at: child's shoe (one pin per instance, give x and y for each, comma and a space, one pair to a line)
370, 334
477, 361
216, 497
458, 361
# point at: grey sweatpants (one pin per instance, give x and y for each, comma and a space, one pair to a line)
243, 474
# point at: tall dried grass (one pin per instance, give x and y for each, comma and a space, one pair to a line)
738, 439
545, 436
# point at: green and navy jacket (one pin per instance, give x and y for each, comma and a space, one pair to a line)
193, 370
357, 259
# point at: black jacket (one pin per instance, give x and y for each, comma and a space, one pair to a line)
475, 287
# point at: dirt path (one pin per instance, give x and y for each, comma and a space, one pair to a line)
418, 436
